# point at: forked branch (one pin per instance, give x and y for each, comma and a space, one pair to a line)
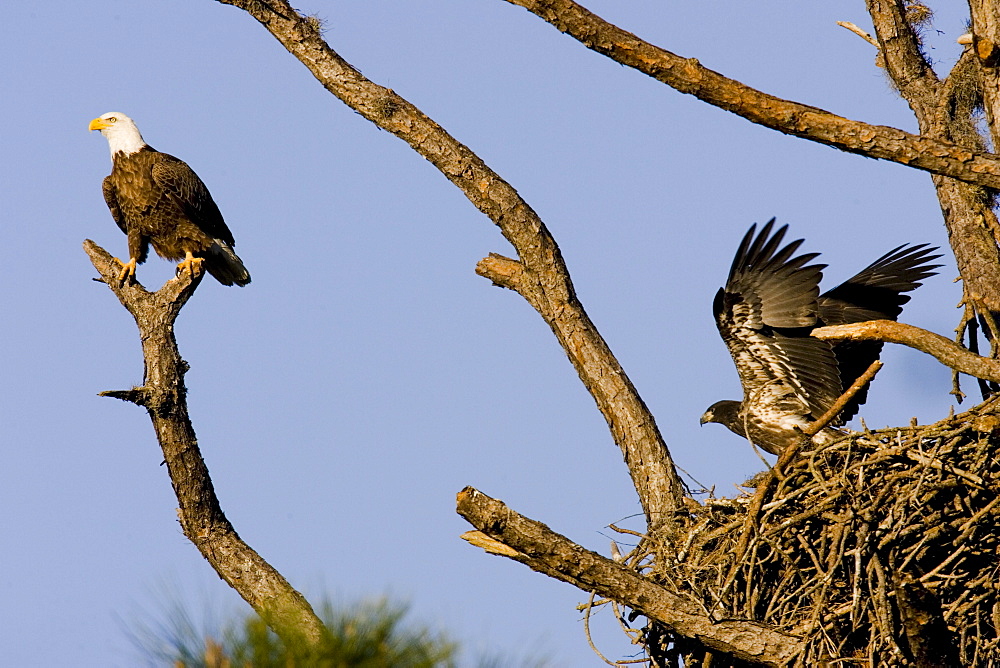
164, 397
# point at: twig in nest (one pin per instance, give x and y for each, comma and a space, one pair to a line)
592, 604
628, 531
926, 460
634, 634
966, 327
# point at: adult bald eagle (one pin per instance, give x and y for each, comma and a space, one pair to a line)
765, 313
157, 199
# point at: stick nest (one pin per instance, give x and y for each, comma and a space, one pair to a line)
868, 549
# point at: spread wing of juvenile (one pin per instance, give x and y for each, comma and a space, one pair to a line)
158, 200
877, 292
765, 314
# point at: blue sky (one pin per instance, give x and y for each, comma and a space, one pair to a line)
367, 374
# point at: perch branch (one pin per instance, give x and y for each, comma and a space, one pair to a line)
687, 75
943, 349
536, 546
164, 396
541, 277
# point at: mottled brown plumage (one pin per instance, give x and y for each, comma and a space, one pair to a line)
765, 313
156, 199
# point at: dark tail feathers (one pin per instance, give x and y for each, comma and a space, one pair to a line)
225, 265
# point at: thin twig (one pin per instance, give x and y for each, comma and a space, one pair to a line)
586, 631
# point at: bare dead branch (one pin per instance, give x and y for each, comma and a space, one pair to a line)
542, 278
943, 349
541, 549
165, 398
859, 32
960, 170
688, 76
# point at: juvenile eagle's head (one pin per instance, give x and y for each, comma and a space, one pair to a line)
120, 131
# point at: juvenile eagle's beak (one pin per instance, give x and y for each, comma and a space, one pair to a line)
98, 124
706, 417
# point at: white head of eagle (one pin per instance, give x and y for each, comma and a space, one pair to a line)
156, 199
120, 131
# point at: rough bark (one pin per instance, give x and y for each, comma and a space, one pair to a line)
535, 545
943, 112
539, 274
163, 395
688, 76
986, 47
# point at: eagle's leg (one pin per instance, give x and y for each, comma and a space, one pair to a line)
191, 264
128, 270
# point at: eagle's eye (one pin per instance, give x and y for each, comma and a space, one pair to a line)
112, 120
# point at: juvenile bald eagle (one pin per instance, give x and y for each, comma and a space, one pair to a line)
765, 313
157, 199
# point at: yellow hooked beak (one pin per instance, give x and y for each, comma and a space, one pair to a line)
99, 124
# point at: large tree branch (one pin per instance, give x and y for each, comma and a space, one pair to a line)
687, 75
945, 350
899, 45
163, 395
535, 545
539, 273
942, 114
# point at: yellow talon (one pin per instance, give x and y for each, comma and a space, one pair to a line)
127, 272
191, 264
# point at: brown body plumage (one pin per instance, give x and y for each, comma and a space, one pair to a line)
156, 199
